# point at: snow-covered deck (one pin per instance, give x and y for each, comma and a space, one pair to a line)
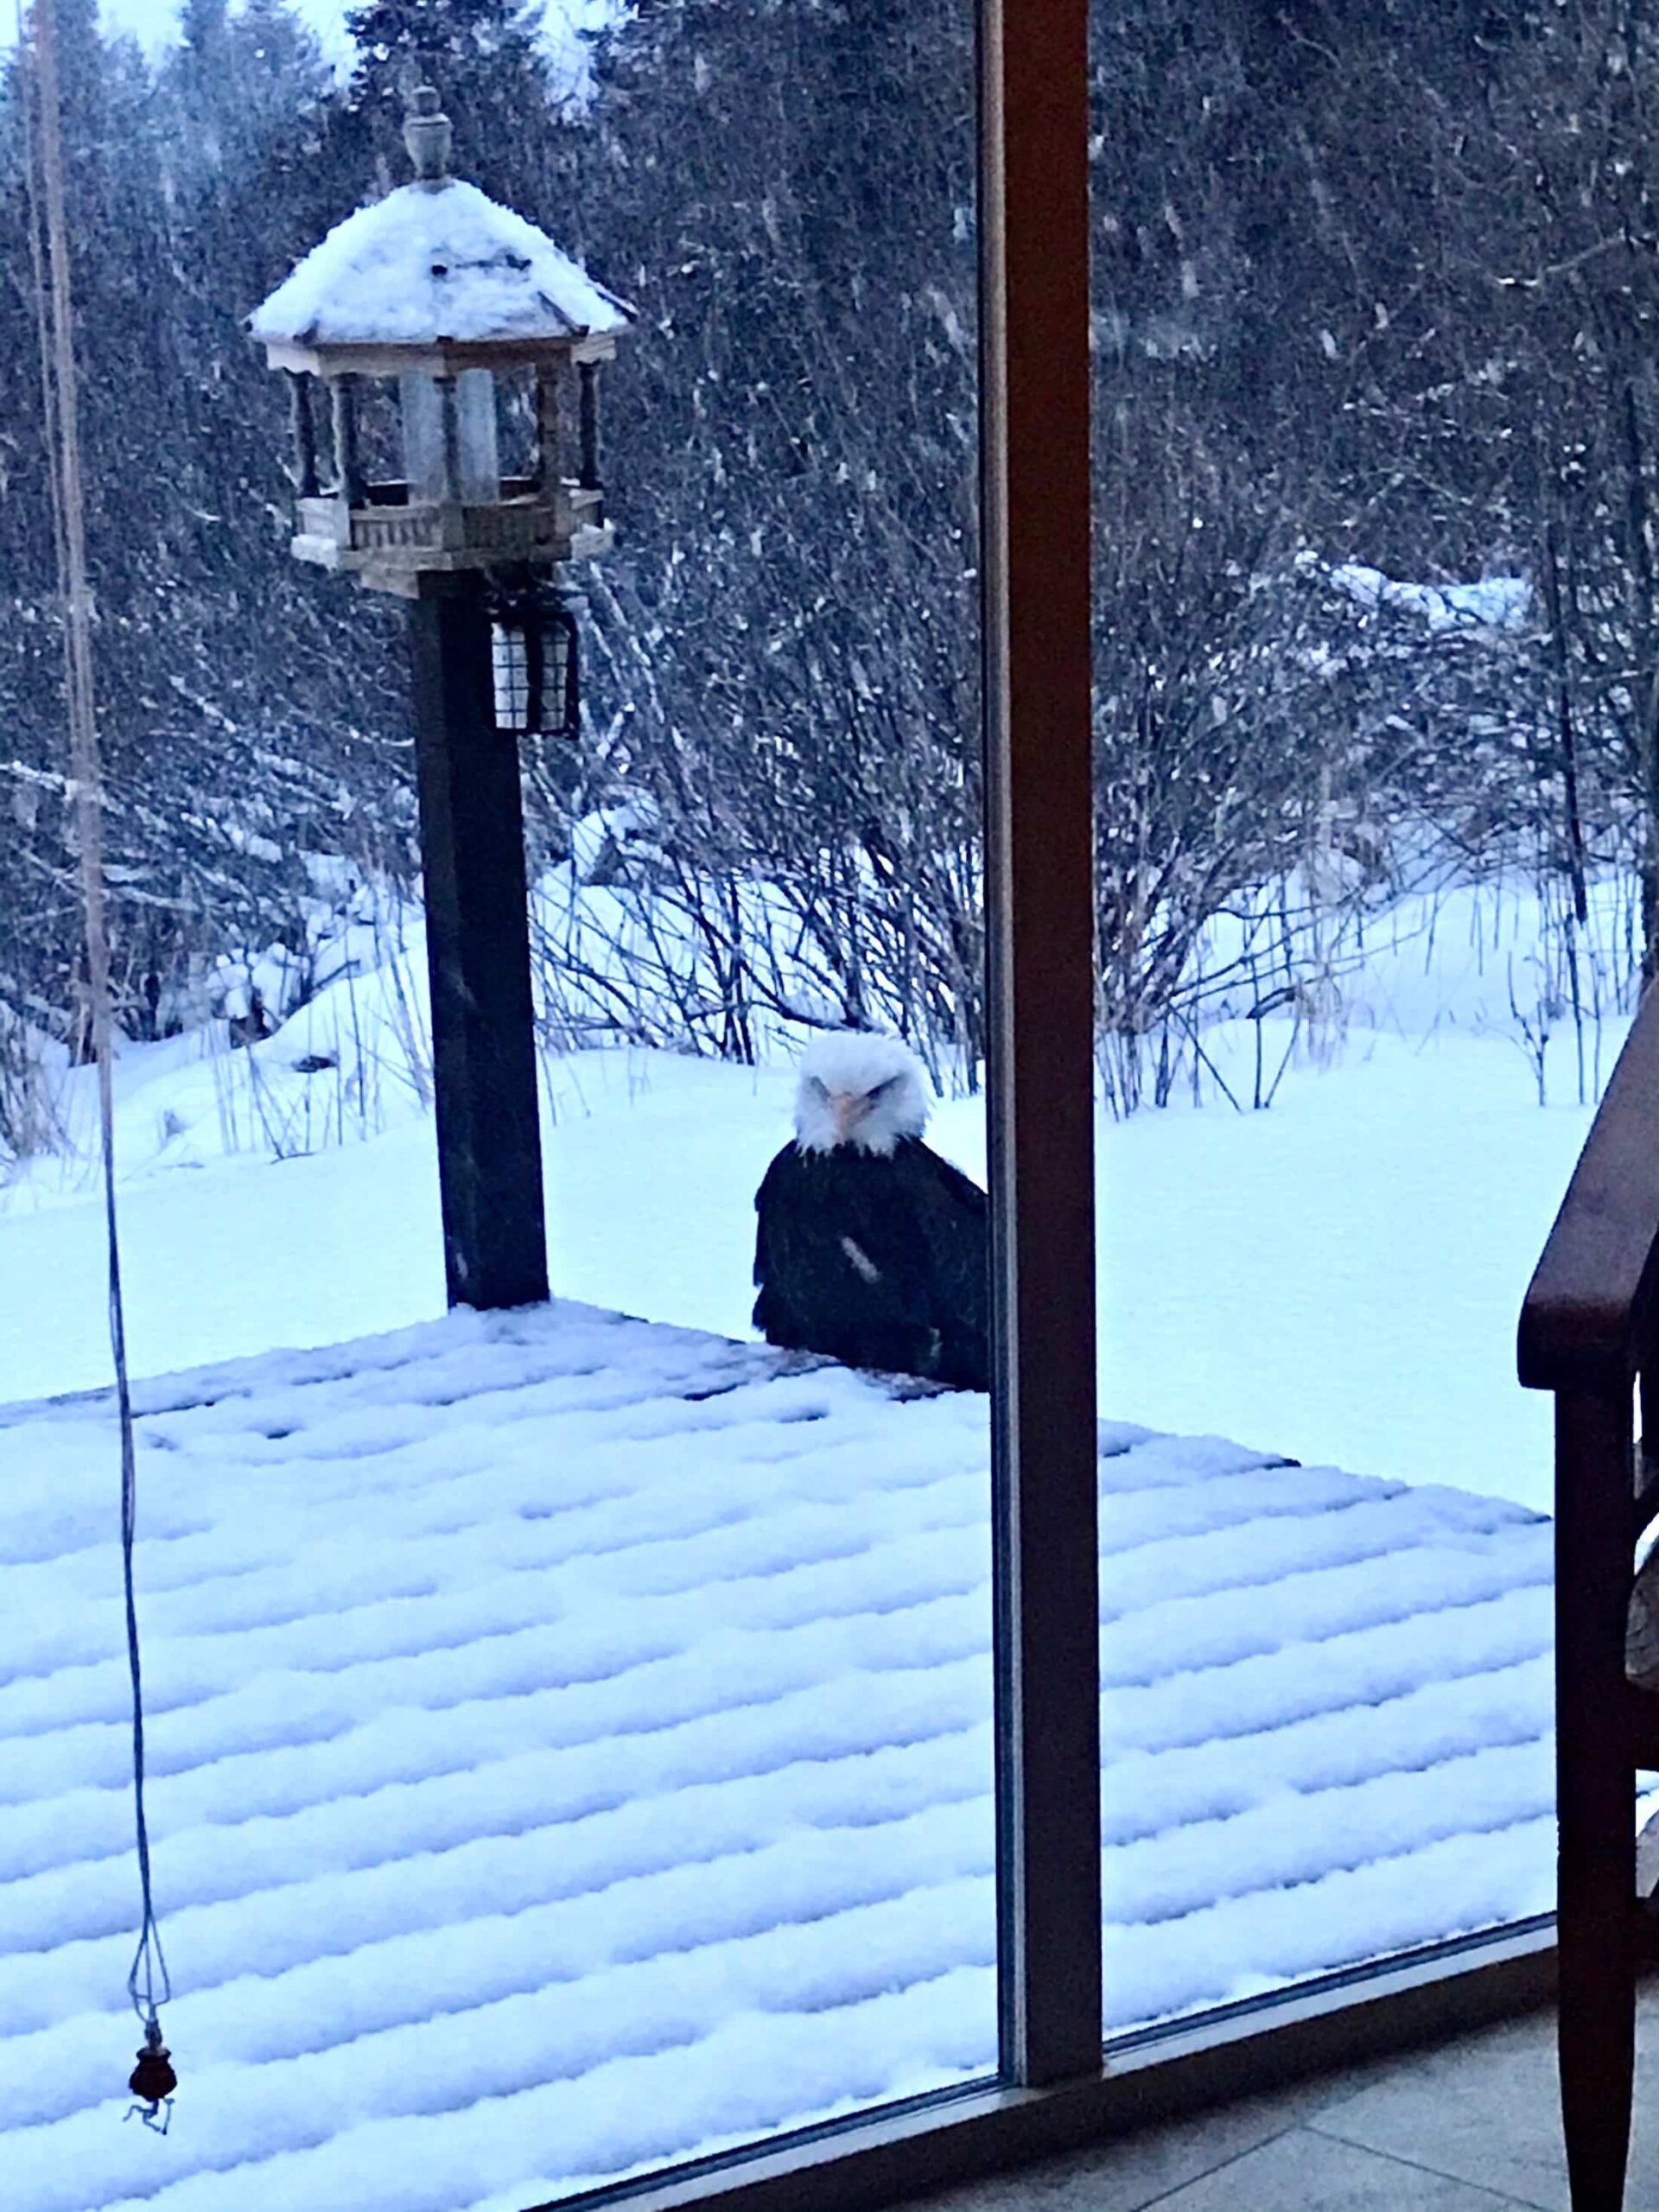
570, 1750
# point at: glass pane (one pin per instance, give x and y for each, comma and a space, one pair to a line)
1374, 652
568, 1726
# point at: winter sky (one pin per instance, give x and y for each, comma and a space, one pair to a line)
154, 23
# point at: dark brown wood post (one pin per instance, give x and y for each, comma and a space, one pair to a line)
1034, 534
1595, 1790
478, 955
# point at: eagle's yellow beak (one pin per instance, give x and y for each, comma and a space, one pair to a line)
848, 1109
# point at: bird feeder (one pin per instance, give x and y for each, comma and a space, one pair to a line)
442, 357
426, 334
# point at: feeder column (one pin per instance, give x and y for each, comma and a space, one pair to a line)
478, 955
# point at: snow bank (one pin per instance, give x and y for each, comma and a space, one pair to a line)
1492, 603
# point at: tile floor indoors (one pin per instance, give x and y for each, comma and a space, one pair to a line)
1467, 2126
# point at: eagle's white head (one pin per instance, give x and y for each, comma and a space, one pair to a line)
859, 1089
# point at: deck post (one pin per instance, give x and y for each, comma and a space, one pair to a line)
478, 955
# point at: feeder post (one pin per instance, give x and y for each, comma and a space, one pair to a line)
477, 954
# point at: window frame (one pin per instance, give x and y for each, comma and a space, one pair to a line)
1061, 2084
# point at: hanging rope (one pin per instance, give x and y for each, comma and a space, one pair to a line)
153, 2079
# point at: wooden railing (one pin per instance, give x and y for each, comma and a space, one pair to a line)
1590, 1333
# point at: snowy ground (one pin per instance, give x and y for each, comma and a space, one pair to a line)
569, 1751
1337, 1278
570, 1736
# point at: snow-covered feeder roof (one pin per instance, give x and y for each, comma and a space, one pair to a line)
439, 270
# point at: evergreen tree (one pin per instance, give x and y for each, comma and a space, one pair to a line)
486, 60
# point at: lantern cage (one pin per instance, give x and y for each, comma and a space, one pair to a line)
538, 662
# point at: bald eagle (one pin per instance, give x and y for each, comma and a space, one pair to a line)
868, 1246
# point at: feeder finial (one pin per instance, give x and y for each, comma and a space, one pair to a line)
427, 135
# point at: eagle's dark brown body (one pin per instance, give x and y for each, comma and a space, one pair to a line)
877, 1258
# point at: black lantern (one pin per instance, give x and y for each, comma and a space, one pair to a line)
536, 661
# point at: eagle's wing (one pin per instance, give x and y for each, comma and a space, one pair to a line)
764, 1200
929, 1236
816, 1291
958, 1217
779, 1222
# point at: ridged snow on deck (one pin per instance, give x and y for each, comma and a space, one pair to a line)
569, 1751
